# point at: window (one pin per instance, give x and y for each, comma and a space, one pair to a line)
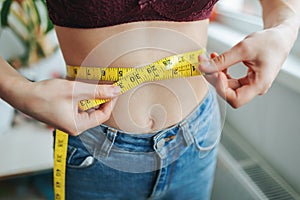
245, 17
251, 7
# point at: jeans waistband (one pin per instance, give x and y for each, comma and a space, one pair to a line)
148, 142
129, 152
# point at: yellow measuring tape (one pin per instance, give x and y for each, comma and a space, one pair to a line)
176, 66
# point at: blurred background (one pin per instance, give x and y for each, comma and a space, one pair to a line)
259, 152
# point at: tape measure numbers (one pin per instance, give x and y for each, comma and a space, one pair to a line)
59, 169
176, 66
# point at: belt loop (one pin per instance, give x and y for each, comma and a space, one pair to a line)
158, 145
188, 137
109, 141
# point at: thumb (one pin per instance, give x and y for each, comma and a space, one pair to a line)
222, 61
95, 91
107, 91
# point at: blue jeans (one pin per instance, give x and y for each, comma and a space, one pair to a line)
175, 163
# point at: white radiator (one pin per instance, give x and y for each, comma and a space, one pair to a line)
242, 174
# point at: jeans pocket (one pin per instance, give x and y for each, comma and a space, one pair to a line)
79, 158
208, 132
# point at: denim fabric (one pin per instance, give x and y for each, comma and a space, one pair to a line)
175, 163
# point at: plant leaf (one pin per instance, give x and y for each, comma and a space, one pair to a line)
5, 12
49, 23
38, 20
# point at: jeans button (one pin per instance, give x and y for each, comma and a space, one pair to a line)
160, 143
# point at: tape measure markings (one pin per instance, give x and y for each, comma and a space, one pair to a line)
60, 156
177, 66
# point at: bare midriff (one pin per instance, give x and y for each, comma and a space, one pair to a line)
150, 106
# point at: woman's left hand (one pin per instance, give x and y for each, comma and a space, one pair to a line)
263, 52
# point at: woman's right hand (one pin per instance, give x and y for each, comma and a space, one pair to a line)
55, 102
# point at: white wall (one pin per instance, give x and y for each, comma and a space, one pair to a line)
270, 123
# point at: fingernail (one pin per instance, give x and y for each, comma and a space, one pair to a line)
116, 90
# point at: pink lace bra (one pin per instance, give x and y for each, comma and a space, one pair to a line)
101, 13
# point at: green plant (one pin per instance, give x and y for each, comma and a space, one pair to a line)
29, 22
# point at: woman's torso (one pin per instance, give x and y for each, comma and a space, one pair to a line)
153, 105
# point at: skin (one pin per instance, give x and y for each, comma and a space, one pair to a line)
43, 101
152, 105
281, 24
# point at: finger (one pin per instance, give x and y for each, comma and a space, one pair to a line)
101, 115
107, 91
212, 56
94, 91
203, 61
87, 120
212, 78
236, 97
241, 95
234, 83
224, 60
262, 85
